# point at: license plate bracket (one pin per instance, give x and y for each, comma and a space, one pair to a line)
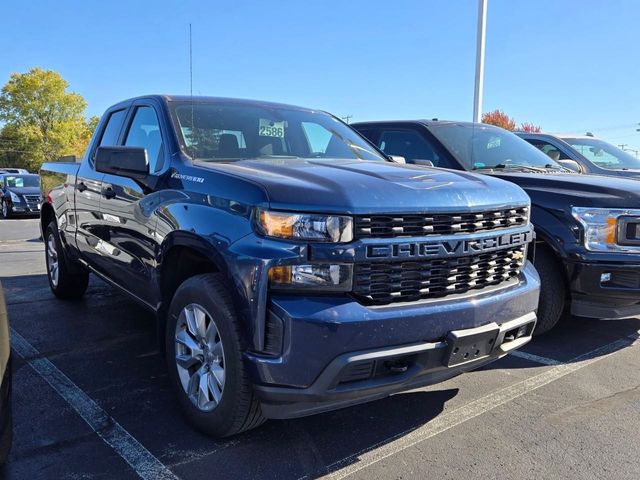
471, 344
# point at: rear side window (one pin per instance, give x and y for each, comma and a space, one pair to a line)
145, 132
111, 131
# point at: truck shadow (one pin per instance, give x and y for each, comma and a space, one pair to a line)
331, 441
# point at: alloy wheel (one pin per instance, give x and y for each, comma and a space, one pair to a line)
52, 260
200, 357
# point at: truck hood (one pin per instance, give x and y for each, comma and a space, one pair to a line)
625, 173
557, 190
360, 187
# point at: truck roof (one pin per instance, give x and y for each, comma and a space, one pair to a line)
206, 99
421, 121
556, 135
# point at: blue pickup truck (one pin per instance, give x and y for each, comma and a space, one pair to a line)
293, 267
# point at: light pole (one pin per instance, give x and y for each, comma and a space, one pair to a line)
482, 25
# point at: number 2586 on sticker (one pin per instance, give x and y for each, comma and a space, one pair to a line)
269, 128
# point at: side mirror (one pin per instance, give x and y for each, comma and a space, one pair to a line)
424, 163
397, 159
571, 165
128, 162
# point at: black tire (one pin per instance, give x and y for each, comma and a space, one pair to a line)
70, 284
552, 290
238, 408
6, 210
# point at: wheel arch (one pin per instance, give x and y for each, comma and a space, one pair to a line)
183, 255
47, 214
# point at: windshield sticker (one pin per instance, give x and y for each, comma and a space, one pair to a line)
494, 142
269, 128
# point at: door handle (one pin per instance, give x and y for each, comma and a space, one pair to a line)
108, 192
81, 187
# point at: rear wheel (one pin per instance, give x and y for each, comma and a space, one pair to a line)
204, 358
64, 282
552, 290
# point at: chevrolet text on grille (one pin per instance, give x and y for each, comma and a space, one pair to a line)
448, 248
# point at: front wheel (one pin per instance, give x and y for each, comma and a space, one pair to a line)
6, 210
204, 358
64, 283
552, 290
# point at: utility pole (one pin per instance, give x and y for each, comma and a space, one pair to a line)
622, 145
482, 25
347, 118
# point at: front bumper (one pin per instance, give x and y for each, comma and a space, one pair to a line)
337, 352
605, 290
390, 370
24, 208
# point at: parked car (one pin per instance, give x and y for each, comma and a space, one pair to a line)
293, 268
587, 248
5, 383
585, 154
19, 194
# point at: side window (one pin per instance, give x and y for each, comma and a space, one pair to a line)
145, 132
318, 137
111, 131
550, 150
412, 146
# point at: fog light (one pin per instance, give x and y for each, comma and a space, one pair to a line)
324, 277
516, 333
605, 277
522, 331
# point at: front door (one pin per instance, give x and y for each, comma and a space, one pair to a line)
126, 209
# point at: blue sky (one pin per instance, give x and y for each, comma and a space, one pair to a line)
570, 66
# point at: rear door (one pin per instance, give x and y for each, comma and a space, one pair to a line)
89, 227
126, 208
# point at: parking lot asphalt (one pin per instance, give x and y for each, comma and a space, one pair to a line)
92, 400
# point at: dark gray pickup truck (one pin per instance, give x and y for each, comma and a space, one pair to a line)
292, 266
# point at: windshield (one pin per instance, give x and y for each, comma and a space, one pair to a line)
225, 132
21, 181
479, 147
604, 154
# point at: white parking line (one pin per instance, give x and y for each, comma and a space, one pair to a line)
535, 358
397, 443
111, 432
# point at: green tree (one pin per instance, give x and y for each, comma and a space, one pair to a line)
41, 119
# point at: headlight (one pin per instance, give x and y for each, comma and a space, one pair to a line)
305, 226
609, 230
14, 198
325, 277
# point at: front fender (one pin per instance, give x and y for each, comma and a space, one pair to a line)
554, 230
224, 235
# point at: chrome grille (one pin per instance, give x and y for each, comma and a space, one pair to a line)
382, 283
389, 226
32, 199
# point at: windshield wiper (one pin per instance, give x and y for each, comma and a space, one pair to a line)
511, 166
